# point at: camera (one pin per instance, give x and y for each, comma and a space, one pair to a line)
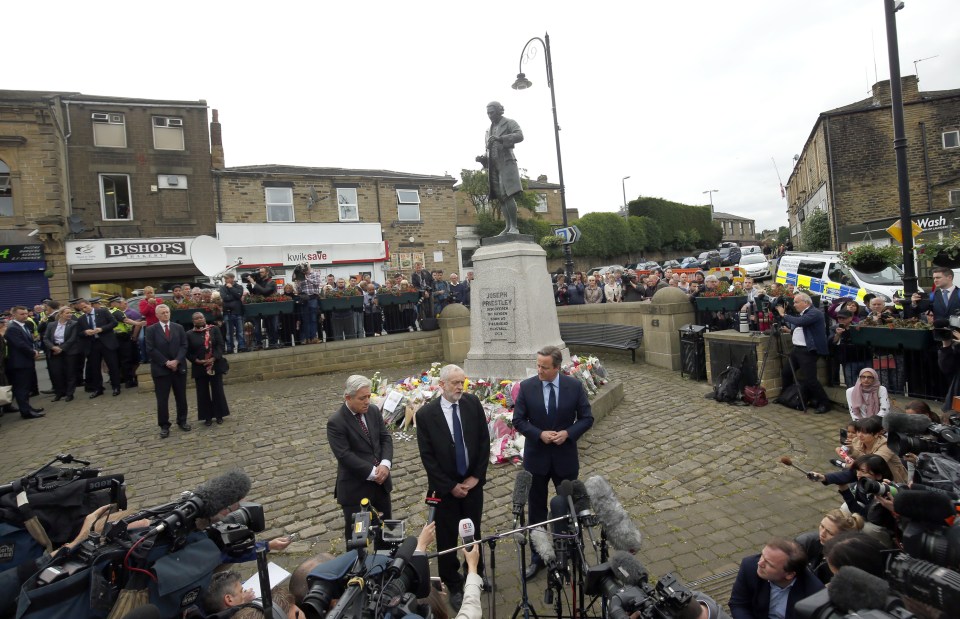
872, 486
944, 334
669, 598
234, 533
938, 438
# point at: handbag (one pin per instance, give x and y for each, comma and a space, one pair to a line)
756, 395
884, 362
6, 395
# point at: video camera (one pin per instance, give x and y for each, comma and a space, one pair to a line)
669, 598
915, 434
370, 586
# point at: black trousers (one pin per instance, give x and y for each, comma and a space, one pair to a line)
128, 358
379, 499
805, 363
450, 512
64, 370
537, 503
98, 353
211, 400
20, 379
162, 386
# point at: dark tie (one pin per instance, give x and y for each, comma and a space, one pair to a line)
946, 298
363, 425
166, 330
93, 324
458, 444
552, 402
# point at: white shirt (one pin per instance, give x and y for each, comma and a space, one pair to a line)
797, 337
58, 333
447, 408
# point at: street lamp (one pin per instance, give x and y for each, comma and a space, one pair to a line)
623, 185
522, 83
711, 192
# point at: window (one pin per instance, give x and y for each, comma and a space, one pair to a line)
109, 129
6, 191
813, 268
408, 205
347, 204
951, 139
954, 193
279, 203
741, 228
541, 203
167, 133
115, 197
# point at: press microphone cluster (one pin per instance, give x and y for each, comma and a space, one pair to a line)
209, 499
616, 522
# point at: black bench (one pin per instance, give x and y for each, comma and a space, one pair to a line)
622, 337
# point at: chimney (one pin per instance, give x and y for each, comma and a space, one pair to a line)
911, 88
216, 142
881, 93
542, 178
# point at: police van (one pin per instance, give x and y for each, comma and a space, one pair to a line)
822, 273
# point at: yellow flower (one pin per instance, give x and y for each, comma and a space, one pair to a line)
466, 383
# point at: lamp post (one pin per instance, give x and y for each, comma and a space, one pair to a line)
522, 83
711, 192
623, 185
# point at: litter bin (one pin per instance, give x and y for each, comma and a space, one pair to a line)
693, 357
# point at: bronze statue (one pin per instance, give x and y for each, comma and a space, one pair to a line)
501, 164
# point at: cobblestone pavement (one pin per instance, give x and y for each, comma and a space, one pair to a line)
702, 480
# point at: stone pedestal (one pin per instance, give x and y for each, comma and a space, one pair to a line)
512, 312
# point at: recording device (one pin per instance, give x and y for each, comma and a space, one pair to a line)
300, 272
928, 583
467, 531
852, 592
915, 434
616, 522
235, 533
669, 598
521, 492
433, 502
931, 530
843, 436
870, 486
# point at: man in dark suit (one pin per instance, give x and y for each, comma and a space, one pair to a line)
944, 299
61, 338
363, 448
809, 342
552, 412
167, 349
454, 446
771, 583
21, 361
99, 343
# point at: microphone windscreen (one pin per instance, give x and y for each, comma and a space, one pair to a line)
147, 611
565, 488
406, 550
616, 522
904, 423
543, 543
221, 492
627, 568
581, 498
923, 505
467, 530
852, 589
521, 488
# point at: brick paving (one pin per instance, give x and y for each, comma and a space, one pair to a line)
701, 480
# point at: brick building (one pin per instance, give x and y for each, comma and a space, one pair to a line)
736, 229
848, 166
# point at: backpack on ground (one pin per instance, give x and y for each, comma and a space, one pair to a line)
727, 388
790, 397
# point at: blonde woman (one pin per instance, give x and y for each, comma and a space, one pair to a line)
612, 290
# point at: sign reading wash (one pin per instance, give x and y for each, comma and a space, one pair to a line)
118, 251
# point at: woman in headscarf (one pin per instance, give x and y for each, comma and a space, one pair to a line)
868, 397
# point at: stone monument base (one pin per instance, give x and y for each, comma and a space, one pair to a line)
512, 310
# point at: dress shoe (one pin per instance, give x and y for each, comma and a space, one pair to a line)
823, 408
69, 398
184, 426
532, 570
219, 421
57, 398
96, 394
36, 410
47, 391
164, 432
208, 422
33, 414
837, 462
116, 391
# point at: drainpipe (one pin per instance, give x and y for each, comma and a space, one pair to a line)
926, 165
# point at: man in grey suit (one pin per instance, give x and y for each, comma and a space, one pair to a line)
167, 350
363, 448
501, 164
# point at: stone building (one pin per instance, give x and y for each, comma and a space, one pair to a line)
847, 167
736, 229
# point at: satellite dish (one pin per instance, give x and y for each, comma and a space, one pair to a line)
208, 255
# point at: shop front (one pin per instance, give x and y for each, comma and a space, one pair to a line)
23, 276
105, 267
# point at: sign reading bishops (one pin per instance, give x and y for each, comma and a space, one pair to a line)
496, 313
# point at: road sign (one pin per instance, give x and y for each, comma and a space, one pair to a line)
896, 232
569, 235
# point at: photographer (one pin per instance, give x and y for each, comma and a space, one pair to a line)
261, 283
948, 359
632, 290
231, 293
843, 352
870, 507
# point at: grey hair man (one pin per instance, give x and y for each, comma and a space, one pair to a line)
363, 448
809, 337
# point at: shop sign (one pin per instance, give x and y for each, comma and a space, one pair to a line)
21, 253
119, 251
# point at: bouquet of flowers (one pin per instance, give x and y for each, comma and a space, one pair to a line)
259, 298
724, 289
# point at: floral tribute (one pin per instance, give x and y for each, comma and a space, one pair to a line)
259, 298
404, 397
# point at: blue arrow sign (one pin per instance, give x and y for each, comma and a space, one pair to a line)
568, 235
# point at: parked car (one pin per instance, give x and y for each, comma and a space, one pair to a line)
824, 271
670, 264
602, 271
709, 259
756, 266
689, 262
751, 249
729, 256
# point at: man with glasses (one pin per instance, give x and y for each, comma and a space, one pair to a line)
809, 338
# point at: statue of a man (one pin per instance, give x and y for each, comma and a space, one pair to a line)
501, 164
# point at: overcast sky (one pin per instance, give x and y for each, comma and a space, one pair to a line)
680, 95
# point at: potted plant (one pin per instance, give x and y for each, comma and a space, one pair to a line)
182, 313
336, 299
724, 297
387, 295
872, 259
944, 252
256, 305
911, 334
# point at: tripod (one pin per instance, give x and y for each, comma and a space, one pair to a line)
776, 334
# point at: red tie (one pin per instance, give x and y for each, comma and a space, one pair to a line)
363, 424
166, 330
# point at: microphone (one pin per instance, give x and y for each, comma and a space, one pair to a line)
566, 491
210, 498
903, 423
627, 569
467, 531
433, 502
581, 501
521, 492
147, 611
852, 589
542, 543
924, 505
616, 523
402, 557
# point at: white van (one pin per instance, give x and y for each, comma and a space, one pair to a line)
822, 273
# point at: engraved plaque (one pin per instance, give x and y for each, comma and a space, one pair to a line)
497, 314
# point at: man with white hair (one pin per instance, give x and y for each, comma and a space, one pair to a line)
363, 448
809, 342
454, 446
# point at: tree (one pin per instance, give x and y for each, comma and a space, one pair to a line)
783, 235
677, 221
475, 184
815, 233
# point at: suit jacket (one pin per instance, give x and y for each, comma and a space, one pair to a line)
71, 337
530, 419
160, 349
356, 454
196, 350
941, 310
20, 351
750, 597
102, 319
436, 444
814, 328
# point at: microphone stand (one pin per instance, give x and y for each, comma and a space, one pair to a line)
524, 603
266, 597
491, 603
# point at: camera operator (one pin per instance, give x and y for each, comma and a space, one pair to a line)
632, 290
232, 295
769, 584
948, 359
261, 283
